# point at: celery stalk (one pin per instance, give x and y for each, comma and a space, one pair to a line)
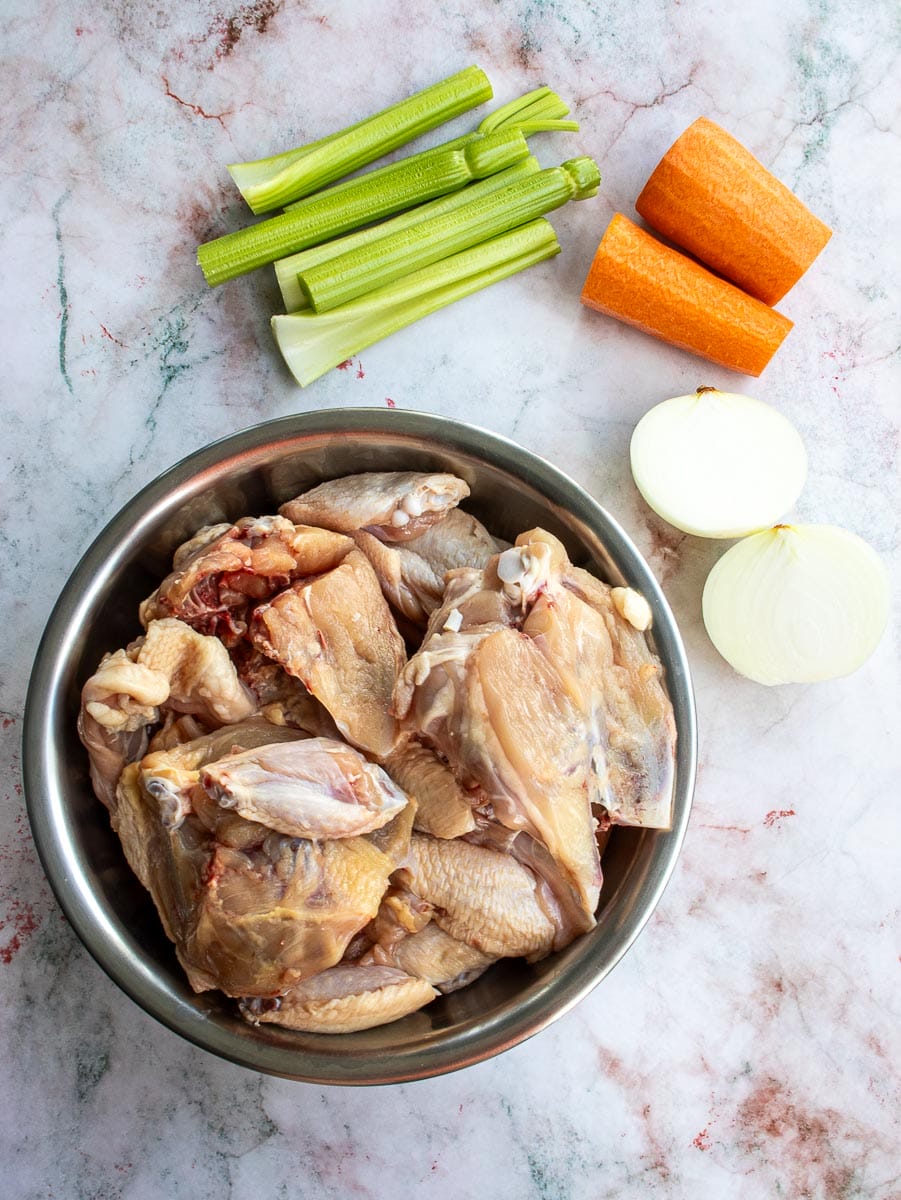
313, 343
287, 269
273, 182
338, 210
403, 251
540, 111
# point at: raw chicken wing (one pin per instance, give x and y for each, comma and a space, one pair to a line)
393, 505
171, 776
556, 893
443, 807
315, 788
481, 897
171, 665
435, 956
343, 999
412, 573
202, 678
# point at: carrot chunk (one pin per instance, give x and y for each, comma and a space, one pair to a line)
640, 281
712, 197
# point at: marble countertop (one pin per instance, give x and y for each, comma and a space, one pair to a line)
749, 1043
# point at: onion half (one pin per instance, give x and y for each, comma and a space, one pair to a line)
797, 604
716, 464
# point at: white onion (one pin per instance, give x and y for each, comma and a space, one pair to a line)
797, 603
716, 464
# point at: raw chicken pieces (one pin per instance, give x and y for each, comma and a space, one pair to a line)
251, 910
345, 999
171, 665
480, 896
170, 775
336, 634
488, 700
443, 807
216, 580
318, 788
412, 573
394, 505
434, 956
332, 834
634, 714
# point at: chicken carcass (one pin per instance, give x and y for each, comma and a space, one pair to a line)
217, 579
118, 704
202, 678
556, 686
525, 743
482, 693
594, 635
270, 914
633, 711
283, 700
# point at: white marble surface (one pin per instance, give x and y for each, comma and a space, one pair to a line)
749, 1044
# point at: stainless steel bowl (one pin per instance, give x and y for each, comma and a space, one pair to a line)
252, 472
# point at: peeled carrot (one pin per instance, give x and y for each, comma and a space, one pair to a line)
712, 197
646, 284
